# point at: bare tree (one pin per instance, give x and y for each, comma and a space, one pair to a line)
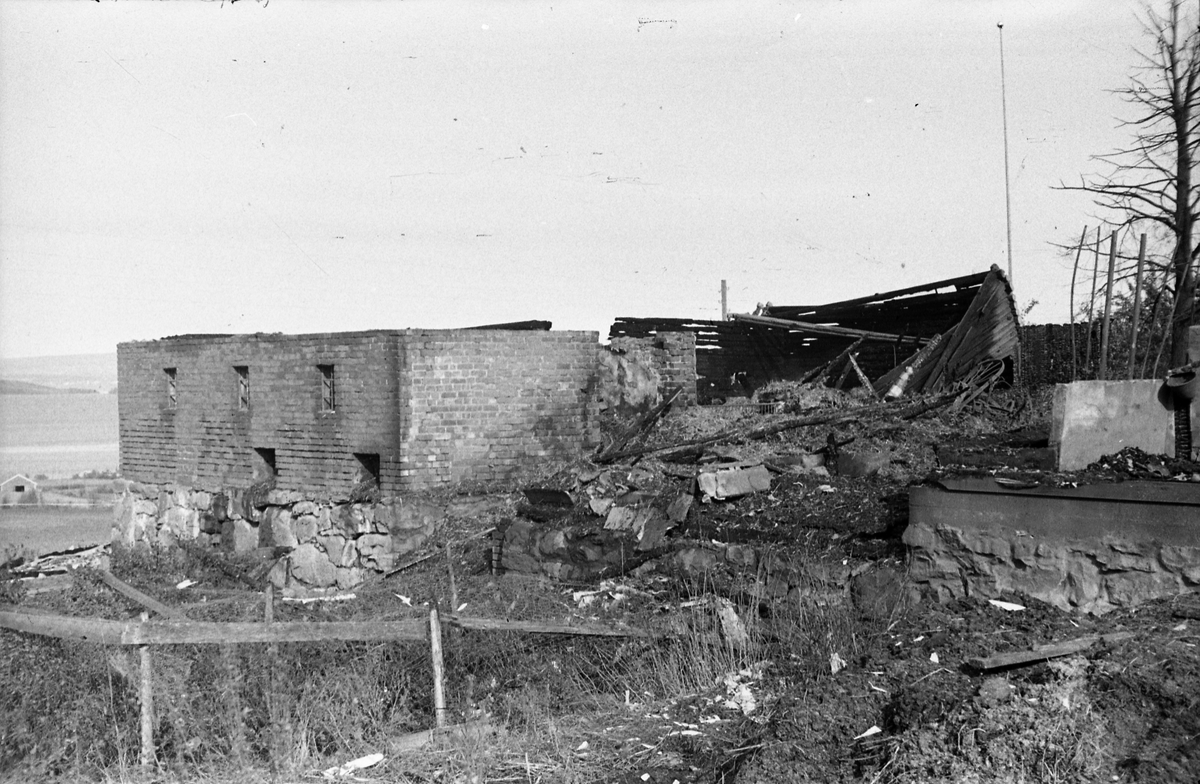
1154, 178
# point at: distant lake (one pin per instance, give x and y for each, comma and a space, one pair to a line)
57, 435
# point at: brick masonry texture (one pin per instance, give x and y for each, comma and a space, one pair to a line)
433, 406
670, 354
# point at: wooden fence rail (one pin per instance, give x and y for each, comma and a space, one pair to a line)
177, 630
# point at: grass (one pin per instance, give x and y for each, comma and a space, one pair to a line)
47, 529
544, 705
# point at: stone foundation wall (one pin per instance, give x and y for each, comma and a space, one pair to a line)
329, 543
1091, 575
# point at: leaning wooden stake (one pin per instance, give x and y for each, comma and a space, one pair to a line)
439, 670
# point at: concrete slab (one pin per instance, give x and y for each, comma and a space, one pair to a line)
1095, 418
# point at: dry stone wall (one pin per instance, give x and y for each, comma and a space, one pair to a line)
327, 543
1085, 574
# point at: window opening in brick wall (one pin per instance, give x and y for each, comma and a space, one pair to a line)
328, 388
243, 377
264, 464
172, 387
368, 468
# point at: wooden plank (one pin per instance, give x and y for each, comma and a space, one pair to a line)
938, 377
890, 381
86, 629
146, 601
195, 633
531, 627
862, 377
833, 363
1043, 652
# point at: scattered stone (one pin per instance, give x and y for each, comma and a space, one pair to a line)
679, 508
734, 483
862, 464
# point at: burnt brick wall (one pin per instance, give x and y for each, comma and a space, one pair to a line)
671, 354
480, 405
207, 442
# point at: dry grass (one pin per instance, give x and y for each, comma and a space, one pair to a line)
547, 703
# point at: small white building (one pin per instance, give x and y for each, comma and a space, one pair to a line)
19, 489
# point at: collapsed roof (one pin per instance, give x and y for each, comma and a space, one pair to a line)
921, 338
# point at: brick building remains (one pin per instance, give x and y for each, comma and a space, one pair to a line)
313, 441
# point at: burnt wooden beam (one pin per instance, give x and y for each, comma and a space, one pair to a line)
960, 282
1042, 653
825, 329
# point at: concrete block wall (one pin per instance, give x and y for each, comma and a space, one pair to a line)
670, 354
1095, 418
207, 441
478, 405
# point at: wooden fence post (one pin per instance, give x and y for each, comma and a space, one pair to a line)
435, 649
146, 698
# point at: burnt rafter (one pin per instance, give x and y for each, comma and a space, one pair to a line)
786, 342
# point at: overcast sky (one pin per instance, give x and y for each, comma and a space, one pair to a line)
187, 167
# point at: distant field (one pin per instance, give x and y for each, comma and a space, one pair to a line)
46, 529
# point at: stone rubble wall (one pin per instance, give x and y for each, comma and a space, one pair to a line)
331, 543
1090, 575
671, 356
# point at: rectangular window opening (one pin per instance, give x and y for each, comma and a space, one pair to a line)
243, 377
19, 488
263, 464
172, 387
328, 388
368, 468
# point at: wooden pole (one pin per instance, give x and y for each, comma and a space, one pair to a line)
1092, 303
453, 582
1071, 320
1137, 305
724, 301
439, 670
146, 697
1108, 292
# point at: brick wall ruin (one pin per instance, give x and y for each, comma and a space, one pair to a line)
414, 409
231, 438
